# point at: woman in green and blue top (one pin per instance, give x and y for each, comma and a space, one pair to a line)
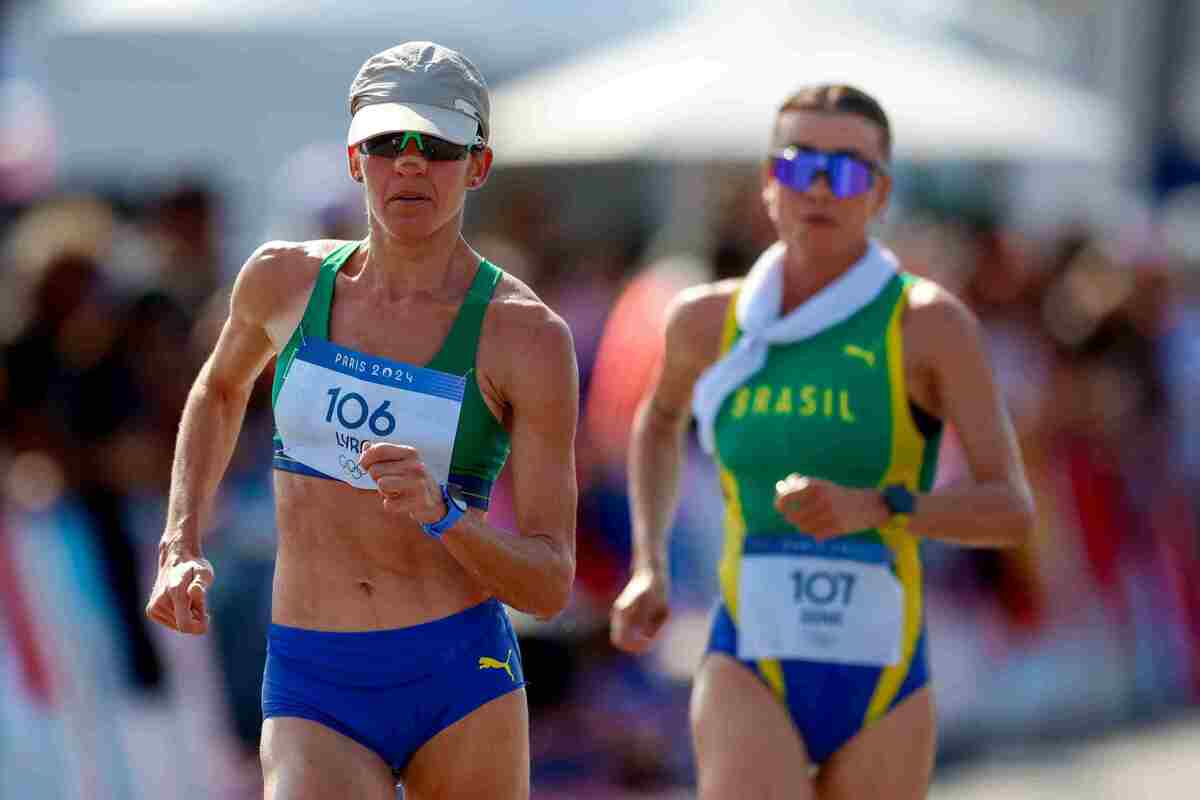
820, 383
408, 368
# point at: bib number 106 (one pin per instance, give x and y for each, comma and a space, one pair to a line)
352, 412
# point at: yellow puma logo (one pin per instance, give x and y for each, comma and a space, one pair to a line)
487, 662
854, 351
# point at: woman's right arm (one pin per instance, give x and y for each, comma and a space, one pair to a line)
656, 455
208, 432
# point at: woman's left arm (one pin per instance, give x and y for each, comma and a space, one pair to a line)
992, 506
532, 569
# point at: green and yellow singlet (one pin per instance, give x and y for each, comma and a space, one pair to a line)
832, 406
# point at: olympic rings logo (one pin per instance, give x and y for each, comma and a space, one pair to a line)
350, 467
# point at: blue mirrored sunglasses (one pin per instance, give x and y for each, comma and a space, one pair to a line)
848, 175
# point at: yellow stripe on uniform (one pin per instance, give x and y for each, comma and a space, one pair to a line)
735, 520
735, 535
735, 530
730, 328
772, 672
908, 453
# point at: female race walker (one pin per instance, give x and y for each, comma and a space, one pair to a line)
407, 364
820, 383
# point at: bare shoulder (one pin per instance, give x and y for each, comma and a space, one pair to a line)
934, 312
273, 285
936, 321
703, 306
526, 350
518, 319
278, 268
696, 321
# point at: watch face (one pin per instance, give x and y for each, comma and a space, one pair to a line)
456, 496
899, 499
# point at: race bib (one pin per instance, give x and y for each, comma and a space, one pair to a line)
817, 602
335, 401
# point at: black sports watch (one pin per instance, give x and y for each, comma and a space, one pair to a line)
898, 499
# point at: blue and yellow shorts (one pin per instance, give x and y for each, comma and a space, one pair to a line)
829, 703
393, 690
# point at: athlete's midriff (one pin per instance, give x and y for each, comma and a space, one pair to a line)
345, 563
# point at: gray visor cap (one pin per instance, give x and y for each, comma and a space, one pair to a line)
419, 86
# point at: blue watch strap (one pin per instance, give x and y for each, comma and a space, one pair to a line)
454, 510
898, 499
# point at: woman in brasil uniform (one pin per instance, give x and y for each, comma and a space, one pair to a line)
819, 382
408, 368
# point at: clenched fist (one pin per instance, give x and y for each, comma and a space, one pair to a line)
404, 483
180, 589
823, 509
640, 611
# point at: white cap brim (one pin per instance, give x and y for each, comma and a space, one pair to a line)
376, 118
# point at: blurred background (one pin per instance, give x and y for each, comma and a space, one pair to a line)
1048, 172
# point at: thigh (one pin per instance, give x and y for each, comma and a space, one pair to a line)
746, 745
484, 754
304, 760
892, 757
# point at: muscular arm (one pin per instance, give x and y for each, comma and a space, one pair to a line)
656, 448
208, 432
656, 455
216, 405
993, 507
533, 569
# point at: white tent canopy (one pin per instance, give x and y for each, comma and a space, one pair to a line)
707, 89
251, 91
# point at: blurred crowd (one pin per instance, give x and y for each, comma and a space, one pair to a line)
111, 301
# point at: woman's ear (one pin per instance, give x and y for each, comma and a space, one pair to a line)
481, 167
352, 163
885, 196
769, 192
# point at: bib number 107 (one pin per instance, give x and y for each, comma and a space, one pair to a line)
821, 588
353, 412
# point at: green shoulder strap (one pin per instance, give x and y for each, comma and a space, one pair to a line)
316, 314
315, 321
457, 355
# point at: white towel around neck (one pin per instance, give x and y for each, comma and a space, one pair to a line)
758, 307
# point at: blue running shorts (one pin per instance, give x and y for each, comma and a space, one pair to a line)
828, 702
392, 690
